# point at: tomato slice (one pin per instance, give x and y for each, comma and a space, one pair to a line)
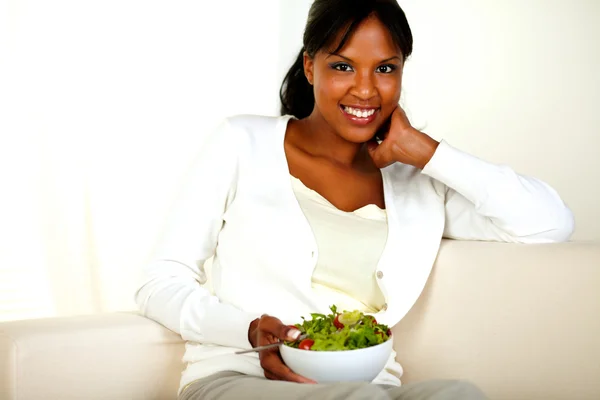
306, 344
337, 323
388, 333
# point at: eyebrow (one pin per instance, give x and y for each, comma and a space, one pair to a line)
349, 59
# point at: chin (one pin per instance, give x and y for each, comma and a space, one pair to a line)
358, 135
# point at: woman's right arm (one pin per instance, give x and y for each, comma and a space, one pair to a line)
171, 291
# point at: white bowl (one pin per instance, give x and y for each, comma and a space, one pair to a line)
361, 365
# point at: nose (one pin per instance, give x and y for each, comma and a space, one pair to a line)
364, 86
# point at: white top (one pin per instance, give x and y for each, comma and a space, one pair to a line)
239, 205
350, 246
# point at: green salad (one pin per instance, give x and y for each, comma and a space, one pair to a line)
348, 330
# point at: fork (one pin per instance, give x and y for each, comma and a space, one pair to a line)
269, 346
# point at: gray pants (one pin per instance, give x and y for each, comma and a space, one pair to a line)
236, 386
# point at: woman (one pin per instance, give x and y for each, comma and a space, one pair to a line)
335, 202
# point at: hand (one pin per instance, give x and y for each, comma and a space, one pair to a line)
267, 330
402, 143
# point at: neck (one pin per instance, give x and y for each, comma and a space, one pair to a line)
321, 140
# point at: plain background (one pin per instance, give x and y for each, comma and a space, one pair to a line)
103, 105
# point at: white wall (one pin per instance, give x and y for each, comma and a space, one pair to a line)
103, 104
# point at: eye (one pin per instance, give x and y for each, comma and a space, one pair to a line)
342, 67
386, 69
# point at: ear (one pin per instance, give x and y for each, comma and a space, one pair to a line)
309, 67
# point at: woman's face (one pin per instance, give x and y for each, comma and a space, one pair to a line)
357, 88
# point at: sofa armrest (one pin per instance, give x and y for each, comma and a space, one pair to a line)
521, 321
118, 356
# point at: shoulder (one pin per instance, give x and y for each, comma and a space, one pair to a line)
254, 134
255, 123
241, 128
250, 137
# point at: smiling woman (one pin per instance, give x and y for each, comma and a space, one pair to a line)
362, 79
333, 202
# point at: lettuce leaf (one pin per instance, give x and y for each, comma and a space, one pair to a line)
364, 333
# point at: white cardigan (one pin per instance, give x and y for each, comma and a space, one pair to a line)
239, 206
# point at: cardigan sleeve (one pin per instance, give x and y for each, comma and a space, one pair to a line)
171, 290
491, 202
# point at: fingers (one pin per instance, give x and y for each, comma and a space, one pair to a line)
277, 329
380, 153
400, 114
275, 369
271, 376
374, 151
272, 330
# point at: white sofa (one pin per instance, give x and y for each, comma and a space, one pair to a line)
521, 321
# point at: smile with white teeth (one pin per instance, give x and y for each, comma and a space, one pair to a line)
357, 112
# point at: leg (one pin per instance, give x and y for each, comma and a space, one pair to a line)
436, 390
235, 386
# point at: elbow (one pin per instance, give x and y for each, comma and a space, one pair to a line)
555, 227
564, 226
141, 299
145, 288
547, 211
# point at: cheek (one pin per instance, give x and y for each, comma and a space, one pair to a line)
390, 89
329, 90
389, 92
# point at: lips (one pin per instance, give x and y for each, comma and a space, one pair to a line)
359, 115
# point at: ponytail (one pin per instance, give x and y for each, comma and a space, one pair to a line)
296, 94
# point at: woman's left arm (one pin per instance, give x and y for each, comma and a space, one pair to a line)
491, 202
483, 201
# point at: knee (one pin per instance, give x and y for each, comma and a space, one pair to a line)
466, 390
360, 391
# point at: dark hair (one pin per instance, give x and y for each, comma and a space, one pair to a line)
326, 19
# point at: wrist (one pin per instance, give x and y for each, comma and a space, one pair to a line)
427, 147
432, 146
